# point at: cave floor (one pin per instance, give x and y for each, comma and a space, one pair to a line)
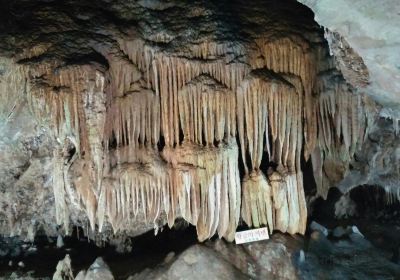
346, 256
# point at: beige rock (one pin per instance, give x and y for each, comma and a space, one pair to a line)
64, 270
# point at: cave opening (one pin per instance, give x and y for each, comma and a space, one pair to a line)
364, 202
375, 201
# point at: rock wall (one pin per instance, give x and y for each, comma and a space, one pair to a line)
372, 30
363, 37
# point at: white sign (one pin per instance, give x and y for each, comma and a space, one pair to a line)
251, 235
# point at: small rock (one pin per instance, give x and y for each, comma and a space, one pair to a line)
32, 249
302, 257
21, 264
10, 263
339, 232
317, 227
317, 235
170, 256
60, 242
355, 229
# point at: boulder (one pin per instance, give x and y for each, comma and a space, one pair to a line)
99, 270
354, 229
316, 226
339, 232
64, 270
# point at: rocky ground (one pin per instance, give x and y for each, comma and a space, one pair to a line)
338, 253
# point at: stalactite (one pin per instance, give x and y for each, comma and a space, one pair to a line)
257, 203
211, 187
206, 108
262, 99
85, 188
341, 125
269, 93
292, 55
202, 186
140, 188
170, 73
258, 99
169, 85
74, 101
62, 212
134, 119
13, 83
290, 211
124, 75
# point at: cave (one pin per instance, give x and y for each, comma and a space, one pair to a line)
172, 139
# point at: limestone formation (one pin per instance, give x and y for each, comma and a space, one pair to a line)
149, 123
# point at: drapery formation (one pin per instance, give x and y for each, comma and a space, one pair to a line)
270, 109
343, 123
164, 136
72, 101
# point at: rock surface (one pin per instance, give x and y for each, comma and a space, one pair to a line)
372, 30
121, 117
99, 270
64, 270
339, 232
135, 114
317, 227
377, 163
282, 257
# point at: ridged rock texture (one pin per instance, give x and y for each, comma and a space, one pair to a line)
160, 110
369, 32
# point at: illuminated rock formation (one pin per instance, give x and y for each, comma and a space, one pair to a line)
148, 126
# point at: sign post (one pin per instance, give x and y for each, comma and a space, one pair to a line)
251, 235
